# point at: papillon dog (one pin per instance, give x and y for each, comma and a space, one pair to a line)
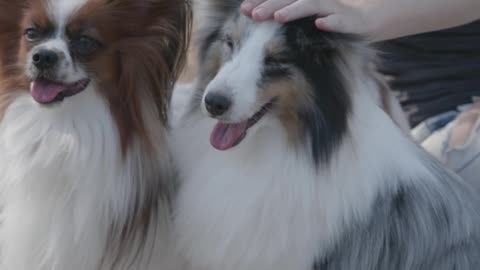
86, 171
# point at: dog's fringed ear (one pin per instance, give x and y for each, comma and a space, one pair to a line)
153, 56
11, 13
165, 41
10, 8
150, 60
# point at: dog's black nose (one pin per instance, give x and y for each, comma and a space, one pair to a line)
217, 104
45, 59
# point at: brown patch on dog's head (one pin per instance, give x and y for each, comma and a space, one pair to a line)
289, 94
274, 48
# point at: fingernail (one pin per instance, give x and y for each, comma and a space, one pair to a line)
259, 13
247, 7
321, 25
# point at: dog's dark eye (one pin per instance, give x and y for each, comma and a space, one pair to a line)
84, 45
32, 34
276, 60
276, 66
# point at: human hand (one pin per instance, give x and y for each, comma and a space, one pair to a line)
376, 19
333, 15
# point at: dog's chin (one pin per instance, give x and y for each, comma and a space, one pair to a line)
47, 91
226, 135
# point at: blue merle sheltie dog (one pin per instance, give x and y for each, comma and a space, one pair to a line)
288, 162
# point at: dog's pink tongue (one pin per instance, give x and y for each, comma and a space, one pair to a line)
225, 136
44, 91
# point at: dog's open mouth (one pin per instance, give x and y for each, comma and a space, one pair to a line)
45, 91
228, 135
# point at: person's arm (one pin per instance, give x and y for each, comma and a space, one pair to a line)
380, 19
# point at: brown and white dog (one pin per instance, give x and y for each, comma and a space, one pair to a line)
86, 171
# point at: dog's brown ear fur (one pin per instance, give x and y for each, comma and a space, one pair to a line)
11, 13
147, 47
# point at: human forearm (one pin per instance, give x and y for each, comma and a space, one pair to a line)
379, 19
396, 18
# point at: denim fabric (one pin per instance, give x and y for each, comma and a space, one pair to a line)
434, 135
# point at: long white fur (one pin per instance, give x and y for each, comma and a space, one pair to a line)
61, 10
264, 204
64, 182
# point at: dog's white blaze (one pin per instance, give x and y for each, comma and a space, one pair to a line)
63, 183
61, 11
238, 78
262, 205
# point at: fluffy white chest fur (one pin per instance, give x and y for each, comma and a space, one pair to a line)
263, 205
65, 184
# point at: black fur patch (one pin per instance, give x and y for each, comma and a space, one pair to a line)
276, 67
314, 53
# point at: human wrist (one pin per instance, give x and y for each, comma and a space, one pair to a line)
370, 20
374, 19
390, 19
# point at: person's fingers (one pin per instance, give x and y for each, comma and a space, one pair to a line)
332, 23
343, 24
320, 24
248, 6
265, 10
